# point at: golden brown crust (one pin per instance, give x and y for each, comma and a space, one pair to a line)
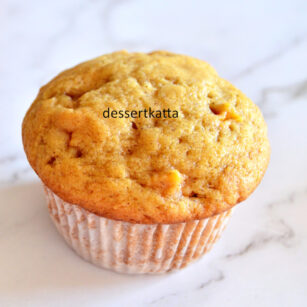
146, 170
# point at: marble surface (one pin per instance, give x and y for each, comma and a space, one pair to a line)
261, 47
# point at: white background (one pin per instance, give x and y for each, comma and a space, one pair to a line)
260, 46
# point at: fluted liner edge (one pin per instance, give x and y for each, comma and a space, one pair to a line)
134, 248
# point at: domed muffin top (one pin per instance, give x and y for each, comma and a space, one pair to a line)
207, 151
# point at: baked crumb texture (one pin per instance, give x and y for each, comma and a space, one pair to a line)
146, 170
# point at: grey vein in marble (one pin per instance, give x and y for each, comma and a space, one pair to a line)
218, 278
289, 94
9, 158
16, 176
270, 58
284, 237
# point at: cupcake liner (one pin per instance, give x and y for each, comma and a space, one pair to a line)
134, 248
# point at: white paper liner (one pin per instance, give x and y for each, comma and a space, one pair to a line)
134, 248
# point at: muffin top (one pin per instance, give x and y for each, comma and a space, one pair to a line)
208, 154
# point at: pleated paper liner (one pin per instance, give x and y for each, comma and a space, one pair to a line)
134, 248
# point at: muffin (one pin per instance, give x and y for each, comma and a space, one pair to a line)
143, 157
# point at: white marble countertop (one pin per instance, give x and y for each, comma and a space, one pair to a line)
261, 47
